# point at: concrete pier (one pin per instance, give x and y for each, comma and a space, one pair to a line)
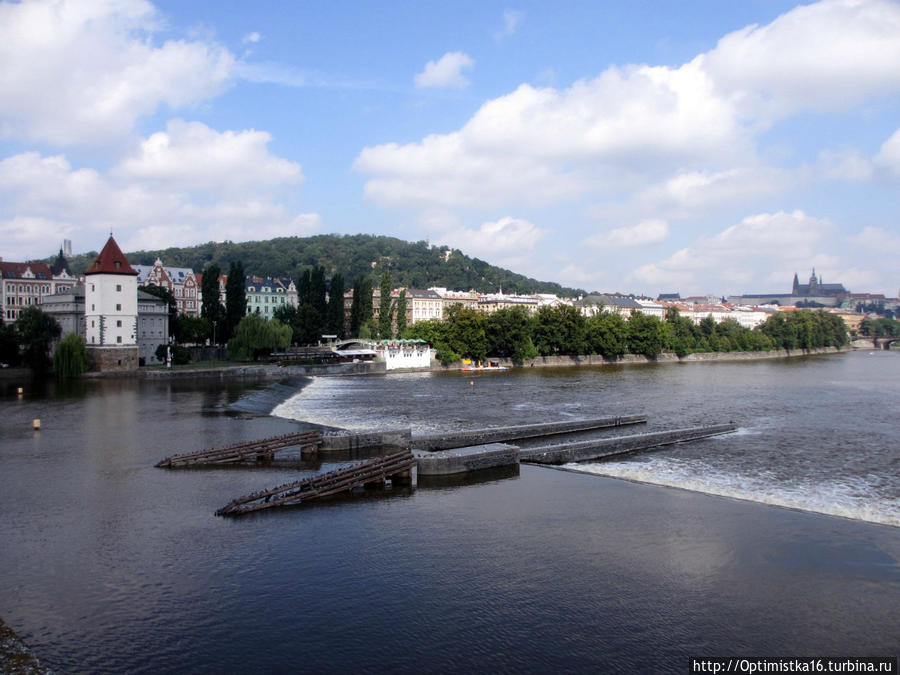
463, 460
365, 439
597, 449
472, 437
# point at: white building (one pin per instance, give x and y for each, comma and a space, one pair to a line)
111, 310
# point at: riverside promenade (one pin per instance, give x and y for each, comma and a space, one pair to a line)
273, 370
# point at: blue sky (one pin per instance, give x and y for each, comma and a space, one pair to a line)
699, 147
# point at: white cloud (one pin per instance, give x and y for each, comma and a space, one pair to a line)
82, 72
878, 240
845, 165
888, 157
512, 20
190, 155
640, 125
829, 55
643, 234
44, 199
445, 72
507, 240
251, 38
732, 258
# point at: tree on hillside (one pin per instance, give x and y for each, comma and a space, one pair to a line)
385, 320
211, 309
335, 311
304, 288
35, 332
235, 298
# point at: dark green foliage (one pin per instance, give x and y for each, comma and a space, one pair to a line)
180, 356
508, 334
35, 331
211, 309
306, 325
71, 356
880, 328
194, 330
318, 291
607, 335
465, 333
304, 288
401, 313
285, 314
334, 318
805, 329
559, 330
255, 337
9, 345
682, 335
235, 298
645, 335
385, 320
413, 265
361, 309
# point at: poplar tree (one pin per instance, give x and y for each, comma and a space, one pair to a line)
401, 313
211, 309
384, 307
235, 298
335, 311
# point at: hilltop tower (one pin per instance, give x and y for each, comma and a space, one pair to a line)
110, 308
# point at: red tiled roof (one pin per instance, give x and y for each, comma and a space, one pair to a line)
15, 270
111, 261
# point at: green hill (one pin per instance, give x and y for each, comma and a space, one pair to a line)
415, 265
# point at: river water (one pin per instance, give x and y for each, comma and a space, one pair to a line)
817, 433
110, 565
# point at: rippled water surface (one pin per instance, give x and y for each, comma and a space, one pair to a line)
110, 565
815, 433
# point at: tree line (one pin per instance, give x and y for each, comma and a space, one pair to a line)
564, 330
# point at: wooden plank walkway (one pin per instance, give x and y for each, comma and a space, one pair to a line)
262, 449
375, 470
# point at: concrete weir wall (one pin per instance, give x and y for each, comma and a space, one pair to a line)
464, 460
366, 439
597, 449
471, 437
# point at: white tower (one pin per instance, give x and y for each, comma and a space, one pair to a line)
110, 308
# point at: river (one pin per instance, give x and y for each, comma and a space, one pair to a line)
111, 565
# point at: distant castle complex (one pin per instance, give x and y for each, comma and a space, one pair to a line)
814, 293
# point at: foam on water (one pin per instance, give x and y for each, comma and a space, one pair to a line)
852, 497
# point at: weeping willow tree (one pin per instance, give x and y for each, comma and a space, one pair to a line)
71, 356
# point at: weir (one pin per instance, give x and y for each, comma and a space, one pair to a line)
261, 449
462, 439
586, 451
396, 467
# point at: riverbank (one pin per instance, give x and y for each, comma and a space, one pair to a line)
15, 657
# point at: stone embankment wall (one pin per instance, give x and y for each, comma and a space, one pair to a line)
597, 360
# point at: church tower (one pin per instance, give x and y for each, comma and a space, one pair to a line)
796, 288
813, 283
110, 308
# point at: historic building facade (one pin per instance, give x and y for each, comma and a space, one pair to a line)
26, 284
181, 282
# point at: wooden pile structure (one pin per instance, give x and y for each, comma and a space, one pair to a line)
376, 470
262, 449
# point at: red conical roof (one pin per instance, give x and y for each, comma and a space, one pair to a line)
111, 261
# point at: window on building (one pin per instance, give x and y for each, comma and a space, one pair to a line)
92, 308
118, 308
118, 338
118, 287
119, 323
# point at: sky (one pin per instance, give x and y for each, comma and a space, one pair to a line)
642, 147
